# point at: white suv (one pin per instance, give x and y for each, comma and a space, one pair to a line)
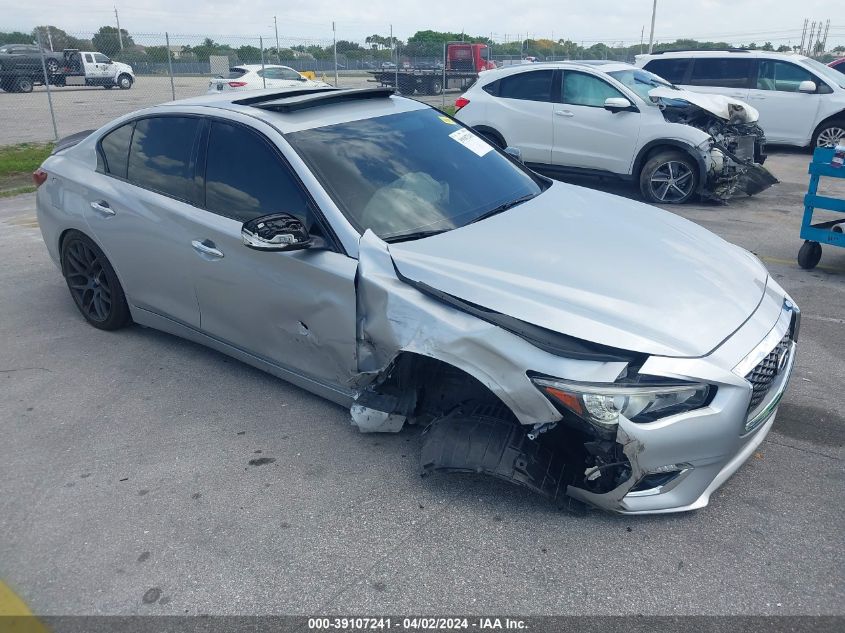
801, 101
613, 119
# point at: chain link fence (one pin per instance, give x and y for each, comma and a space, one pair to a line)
80, 81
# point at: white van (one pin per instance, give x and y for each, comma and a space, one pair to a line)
801, 101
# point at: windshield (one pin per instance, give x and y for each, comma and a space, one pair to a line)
640, 81
408, 174
831, 74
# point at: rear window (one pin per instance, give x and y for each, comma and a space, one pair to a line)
721, 72
234, 73
160, 156
530, 86
672, 70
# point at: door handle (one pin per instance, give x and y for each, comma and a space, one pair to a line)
566, 113
206, 247
102, 207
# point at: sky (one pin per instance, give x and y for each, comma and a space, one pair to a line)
736, 21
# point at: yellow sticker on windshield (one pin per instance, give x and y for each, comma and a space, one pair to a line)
447, 120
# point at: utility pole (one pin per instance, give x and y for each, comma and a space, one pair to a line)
810, 41
824, 40
642, 37
803, 36
50, 37
276, 26
119, 34
334, 45
651, 36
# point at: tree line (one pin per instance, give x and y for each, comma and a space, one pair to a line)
376, 47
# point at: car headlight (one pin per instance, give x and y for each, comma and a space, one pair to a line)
602, 404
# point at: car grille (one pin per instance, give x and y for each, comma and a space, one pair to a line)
764, 374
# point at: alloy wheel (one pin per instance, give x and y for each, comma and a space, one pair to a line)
830, 136
88, 282
672, 181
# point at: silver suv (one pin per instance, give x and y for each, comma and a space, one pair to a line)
375, 251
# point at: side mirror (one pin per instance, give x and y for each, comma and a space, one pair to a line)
515, 153
807, 86
617, 104
277, 232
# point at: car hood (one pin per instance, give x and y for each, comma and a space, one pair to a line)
598, 267
122, 66
726, 108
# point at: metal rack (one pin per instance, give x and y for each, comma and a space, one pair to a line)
827, 232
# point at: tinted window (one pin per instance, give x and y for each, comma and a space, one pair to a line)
115, 151
672, 70
234, 73
101, 59
723, 72
586, 90
531, 86
280, 73
410, 172
246, 179
160, 155
783, 76
88, 58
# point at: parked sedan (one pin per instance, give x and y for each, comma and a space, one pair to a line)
257, 77
615, 120
375, 251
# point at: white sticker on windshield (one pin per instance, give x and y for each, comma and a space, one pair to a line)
470, 141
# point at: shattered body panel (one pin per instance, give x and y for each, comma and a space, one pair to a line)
736, 152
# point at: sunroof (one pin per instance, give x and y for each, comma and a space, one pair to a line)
289, 102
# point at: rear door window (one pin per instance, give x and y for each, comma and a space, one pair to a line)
535, 85
245, 178
722, 72
113, 156
160, 155
88, 58
672, 70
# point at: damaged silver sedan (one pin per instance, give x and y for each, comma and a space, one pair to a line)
374, 251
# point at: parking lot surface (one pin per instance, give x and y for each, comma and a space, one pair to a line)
128, 480
26, 117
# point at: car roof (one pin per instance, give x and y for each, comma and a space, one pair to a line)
344, 106
598, 65
254, 67
733, 52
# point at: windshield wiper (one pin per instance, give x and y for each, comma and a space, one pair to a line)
504, 207
415, 235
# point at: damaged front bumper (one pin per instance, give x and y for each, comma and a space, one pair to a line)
730, 173
676, 463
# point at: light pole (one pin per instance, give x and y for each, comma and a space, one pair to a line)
651, 35
276, 26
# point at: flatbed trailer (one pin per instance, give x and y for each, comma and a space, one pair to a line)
424, 81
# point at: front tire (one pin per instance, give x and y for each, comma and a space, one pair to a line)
669, 178
829, 134
93, 283
124, 82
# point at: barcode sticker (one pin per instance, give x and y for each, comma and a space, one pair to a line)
470, 141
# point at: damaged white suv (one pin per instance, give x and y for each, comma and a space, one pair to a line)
612, 119
374, 251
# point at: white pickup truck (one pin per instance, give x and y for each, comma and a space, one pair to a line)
90, 68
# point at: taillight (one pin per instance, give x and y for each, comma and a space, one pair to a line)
460, 102
237, 84
39, 177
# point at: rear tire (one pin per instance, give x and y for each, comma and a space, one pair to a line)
23, 84
669, 177
435, 87
93, 284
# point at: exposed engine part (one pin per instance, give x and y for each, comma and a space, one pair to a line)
737, 153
